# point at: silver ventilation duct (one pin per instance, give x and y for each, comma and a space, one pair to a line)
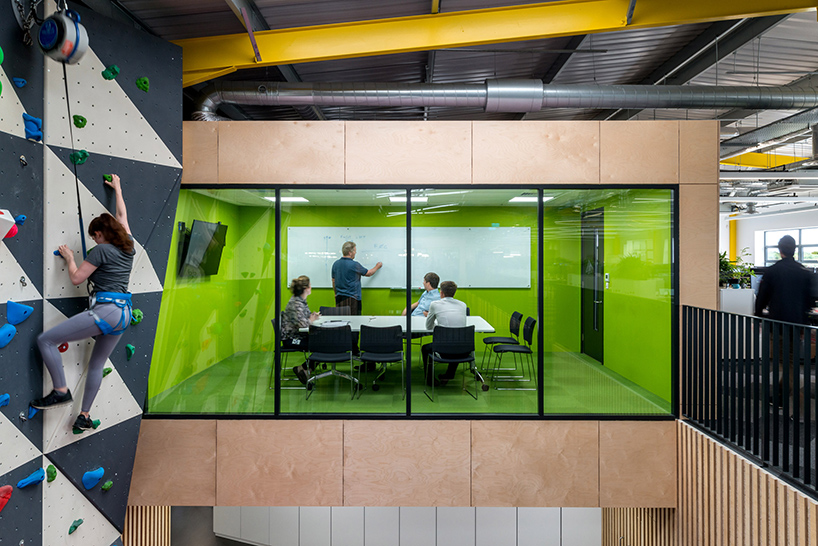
512, 95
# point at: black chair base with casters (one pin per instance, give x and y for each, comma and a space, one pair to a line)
332, 345
454, 346
382, 346
513, 328
527, 355
285, 353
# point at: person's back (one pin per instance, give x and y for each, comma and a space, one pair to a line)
786, 288
447, 312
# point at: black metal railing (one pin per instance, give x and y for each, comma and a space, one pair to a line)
751, 383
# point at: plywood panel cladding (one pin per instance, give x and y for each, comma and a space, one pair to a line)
698, 245
522, 463
699, 152
280, 463
281, 152
175, 463
417, 152
637, 464
637, 152
414, 463
200, 152
536, 152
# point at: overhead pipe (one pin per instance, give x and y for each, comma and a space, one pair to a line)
506, 95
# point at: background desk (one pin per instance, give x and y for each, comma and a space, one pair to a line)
481, 326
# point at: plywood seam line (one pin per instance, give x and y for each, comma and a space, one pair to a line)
204, 56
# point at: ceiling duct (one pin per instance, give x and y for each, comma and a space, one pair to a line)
508, 95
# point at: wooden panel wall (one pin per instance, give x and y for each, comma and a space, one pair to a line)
147, 526
725, 500
639, 527
409, 463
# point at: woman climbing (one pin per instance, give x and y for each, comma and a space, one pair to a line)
108, 268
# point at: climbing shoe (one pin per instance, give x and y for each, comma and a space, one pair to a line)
53, 400
83, 422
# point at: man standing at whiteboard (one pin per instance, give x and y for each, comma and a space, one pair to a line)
346, 281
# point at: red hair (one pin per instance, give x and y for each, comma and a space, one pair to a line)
113, 232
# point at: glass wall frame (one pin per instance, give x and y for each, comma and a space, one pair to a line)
408, 296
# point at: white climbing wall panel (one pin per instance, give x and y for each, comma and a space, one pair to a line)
11, 109
11, 286
15, 449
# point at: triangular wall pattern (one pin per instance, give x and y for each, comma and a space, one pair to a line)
21, 519
15, 449
11, 109
11, 286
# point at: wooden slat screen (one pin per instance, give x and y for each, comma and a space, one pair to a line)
147, 526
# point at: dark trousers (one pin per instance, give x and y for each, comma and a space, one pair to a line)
429, 369
354, 309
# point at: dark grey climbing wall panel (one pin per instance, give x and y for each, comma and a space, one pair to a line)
21, 61
21, 519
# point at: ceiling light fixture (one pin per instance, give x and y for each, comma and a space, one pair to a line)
528, 199
415, 199
288, 199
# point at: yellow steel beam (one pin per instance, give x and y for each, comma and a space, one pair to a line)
459, 29
761, 161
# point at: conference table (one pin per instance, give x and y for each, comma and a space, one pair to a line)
481, 325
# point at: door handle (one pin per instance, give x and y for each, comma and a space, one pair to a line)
597, 301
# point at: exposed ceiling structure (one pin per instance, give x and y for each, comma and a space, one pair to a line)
605, 42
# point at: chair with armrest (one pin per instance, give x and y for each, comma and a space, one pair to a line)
285, 352
334, 311
514, 330
454, 346
520, 349
331, 345
382, 346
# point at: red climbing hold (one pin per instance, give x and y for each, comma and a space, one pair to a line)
63, 347
5, 495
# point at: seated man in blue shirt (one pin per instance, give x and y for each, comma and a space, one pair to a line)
421, 307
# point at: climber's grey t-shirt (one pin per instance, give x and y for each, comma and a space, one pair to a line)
113, 273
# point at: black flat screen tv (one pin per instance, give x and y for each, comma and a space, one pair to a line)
201, 249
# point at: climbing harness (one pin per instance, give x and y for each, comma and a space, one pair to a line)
123, 301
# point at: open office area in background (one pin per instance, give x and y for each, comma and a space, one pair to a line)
605, 277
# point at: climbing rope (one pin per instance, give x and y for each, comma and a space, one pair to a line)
76, 176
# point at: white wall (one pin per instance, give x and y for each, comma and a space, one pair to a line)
393, 526
747, 226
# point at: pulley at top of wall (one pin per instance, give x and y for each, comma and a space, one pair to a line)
61, 36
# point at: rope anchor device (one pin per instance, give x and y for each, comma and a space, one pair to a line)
62, 37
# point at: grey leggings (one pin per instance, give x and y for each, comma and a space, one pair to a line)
81, 326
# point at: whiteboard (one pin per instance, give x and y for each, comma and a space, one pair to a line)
473, 257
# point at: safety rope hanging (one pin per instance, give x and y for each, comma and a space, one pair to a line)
73, 163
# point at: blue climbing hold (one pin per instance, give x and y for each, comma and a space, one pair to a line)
17, 312
36, 477
57, 253
33, 126
20, 219
92, 477
32, 411
4, 399
7, 332
19, 82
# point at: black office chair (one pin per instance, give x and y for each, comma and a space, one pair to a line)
514, 330
382, 346
285, 352
335, 311
525, 349
450, 346
331, 345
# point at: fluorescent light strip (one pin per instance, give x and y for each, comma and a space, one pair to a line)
288, 199
768, 175
528, 199
415, 199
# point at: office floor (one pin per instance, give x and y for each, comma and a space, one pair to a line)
574, 384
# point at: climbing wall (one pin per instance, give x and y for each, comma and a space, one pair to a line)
137, 135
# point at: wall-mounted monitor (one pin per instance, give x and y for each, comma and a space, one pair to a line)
201, 250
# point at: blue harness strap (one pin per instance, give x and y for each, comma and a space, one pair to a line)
123, 301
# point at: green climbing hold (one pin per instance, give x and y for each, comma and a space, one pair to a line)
51, 473
107, 485
79, 157
243, 313
107, 177
77, 523
129, 351
95, 424
143, 84
111, 72
137, 316
80, 121
106, 371
1, 55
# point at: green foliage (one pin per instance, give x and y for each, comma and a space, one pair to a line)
740, 269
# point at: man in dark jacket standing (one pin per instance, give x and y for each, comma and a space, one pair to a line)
786, 288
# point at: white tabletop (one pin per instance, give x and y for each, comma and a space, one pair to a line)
418, 323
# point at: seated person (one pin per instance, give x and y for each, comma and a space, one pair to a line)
421, 307
297, 315
446, 311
